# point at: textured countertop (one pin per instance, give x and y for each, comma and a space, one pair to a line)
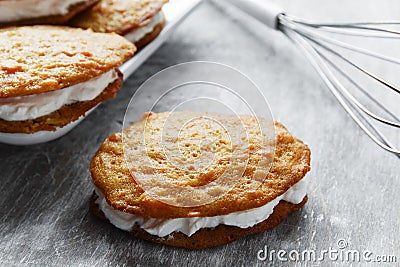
353, 185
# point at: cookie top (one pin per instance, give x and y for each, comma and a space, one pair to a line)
119, 16
36, 59
159, 145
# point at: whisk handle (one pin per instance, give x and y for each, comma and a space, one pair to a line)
263, 11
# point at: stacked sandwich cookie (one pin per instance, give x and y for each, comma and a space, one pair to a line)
30, 12
127, 168
139, 21
52, 75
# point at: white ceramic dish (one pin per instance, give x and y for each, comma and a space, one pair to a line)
175, 11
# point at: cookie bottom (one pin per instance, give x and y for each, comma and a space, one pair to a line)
64, 115
210, 237
150, 36
54, 19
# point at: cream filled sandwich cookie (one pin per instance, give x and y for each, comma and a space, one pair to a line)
245, 206
29, 12
139, 21
52, 75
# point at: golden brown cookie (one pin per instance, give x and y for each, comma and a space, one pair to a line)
52, 75
150, 36
167, 145
73, 10
37, 59
123, 17
112, 176
220, 235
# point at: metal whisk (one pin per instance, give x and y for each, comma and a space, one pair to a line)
320, 49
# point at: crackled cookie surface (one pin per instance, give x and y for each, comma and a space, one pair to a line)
152, 178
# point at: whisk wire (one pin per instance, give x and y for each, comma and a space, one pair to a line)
314, 35
333, 84
349, 25
358, 31
361, 89
314, 41
353, 99
363, 70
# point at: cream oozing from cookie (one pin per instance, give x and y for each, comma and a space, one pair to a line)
188, 226
12, 10
28, 107
137, 34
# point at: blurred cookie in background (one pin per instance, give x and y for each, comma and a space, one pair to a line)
139, 21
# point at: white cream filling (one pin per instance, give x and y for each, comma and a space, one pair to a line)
141, 32
188, 226
13, 10
28, 107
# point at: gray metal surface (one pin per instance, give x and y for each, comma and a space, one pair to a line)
353, 186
